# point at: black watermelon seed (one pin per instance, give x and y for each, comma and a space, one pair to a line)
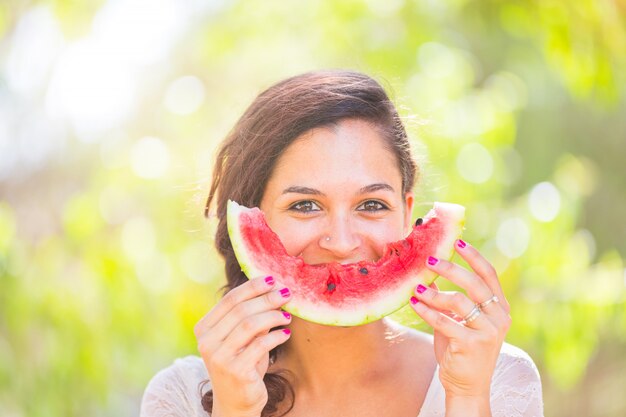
419, 221
331, 286
363, 270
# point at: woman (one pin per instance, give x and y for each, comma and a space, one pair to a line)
326, 157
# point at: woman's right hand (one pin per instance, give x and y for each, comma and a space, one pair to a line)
234, 340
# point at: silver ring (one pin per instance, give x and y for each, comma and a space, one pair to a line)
472, 315
484, 304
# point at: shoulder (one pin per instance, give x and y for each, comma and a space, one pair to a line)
176, 390
182, 373
516, 385
514, 359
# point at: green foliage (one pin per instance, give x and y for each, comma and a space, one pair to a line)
515, 110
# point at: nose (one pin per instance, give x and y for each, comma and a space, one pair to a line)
340, 236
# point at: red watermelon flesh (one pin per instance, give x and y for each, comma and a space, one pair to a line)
345, 294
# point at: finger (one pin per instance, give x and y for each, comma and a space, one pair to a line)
491, 305
448, 313
253, 327
260, 347
439, 322
246, 291
476, 288
484, 269
453, 301
272, 300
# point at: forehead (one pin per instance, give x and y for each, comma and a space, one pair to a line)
351, 152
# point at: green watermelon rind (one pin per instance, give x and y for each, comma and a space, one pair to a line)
236, 239
378, 309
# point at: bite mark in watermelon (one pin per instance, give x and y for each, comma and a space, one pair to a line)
345, 294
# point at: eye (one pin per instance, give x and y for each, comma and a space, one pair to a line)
306, 206
372, 205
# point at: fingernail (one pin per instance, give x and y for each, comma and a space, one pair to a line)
432, 260
414, 300
461, 244
285, 292
287, 331
269, 280
287, 315
421, 289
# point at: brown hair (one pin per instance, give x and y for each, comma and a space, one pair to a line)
271, 123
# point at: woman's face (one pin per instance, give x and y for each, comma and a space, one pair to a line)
339, 183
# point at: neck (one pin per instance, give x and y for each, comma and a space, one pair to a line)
320, 357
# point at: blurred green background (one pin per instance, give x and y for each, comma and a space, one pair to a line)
110, 112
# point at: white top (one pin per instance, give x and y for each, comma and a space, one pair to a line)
515, 389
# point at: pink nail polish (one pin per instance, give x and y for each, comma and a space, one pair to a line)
287, 331
421, 289
287, 315
414, 300
269, 280
461, 244
285, 292
432, 260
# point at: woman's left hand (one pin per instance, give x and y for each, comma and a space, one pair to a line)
466, 350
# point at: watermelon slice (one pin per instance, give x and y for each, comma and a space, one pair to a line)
345, 294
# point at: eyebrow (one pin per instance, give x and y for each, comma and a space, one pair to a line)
375, 187
312, 191
302, 190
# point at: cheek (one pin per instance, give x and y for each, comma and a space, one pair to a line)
378, 235
296, 236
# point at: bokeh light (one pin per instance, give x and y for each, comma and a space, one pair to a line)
140, 32
544, 201
139, 239
36, 42
194, 259
513, 237
155, 274
91, 89
150, 158
184, 95
475, 163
